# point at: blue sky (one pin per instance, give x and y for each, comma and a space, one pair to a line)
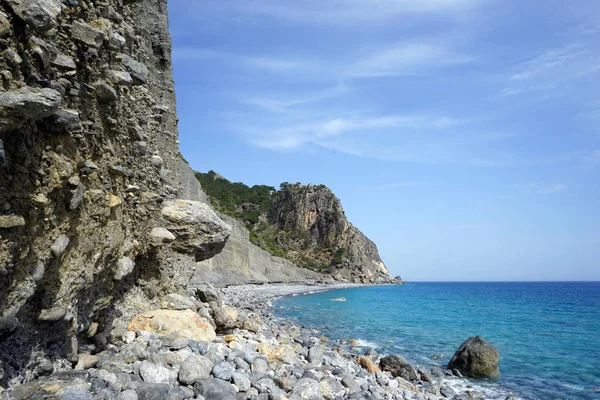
462, 136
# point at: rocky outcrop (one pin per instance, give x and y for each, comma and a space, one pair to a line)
242, 262
316, 214
91, 228
476, 358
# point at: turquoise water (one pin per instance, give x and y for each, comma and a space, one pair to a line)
548, 334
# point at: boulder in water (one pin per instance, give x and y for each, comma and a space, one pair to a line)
476, 358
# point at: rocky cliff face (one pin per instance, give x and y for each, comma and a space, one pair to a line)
90, 175
316, 215
242, 262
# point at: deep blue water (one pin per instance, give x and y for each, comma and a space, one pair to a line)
548, 334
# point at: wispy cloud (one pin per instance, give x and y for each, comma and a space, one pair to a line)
318, 133
406, 59
280, 105
554, 68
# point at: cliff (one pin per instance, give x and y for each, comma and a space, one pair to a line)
91, 216
305, 225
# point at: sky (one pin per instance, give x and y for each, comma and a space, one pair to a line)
462, 136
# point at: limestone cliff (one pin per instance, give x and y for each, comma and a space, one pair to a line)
90, 174
305, 225
316, 215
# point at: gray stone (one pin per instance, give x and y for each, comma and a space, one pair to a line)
12, 57
260, 365
241, 380
128, 395
119, 77
153, 391
125, 267
11, 221
315, 355
60, 244
65, 62
476, 358
26, 105
42, 50
5, 27
331, 389
203, 233
39, 14
105, 92
87, 34
223, 370
351, 384
398, 366
215, 389
63, 121
75, 394
155, 373
138, 71
156, 161
194, 369
208, 294
264, 385
162, 235
116, 42
307, 389
76, 197
175, 301
53, 314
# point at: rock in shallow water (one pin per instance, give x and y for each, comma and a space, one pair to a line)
476, 358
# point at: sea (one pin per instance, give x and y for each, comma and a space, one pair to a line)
547, 333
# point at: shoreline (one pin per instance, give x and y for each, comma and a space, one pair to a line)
253, 355
439, 383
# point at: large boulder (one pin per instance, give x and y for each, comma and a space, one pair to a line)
476, 358
185, 323
198, 229
399, 367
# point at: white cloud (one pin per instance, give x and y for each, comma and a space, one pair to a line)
284, 105
406, 59
554, 68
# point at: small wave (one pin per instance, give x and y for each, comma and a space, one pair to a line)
366, 343
491, 392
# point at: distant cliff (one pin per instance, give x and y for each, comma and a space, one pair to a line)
303, 224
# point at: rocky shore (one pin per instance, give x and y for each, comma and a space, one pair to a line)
226, 344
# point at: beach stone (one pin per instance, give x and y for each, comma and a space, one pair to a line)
174, 301
241, 380
153, 391
398, 366
351, 384
315, 355
476, 358
155, 373
369, 365
264, 385
223, 370
260, 365
215, 389
128, 395
331, 389
184, 323
307, 389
